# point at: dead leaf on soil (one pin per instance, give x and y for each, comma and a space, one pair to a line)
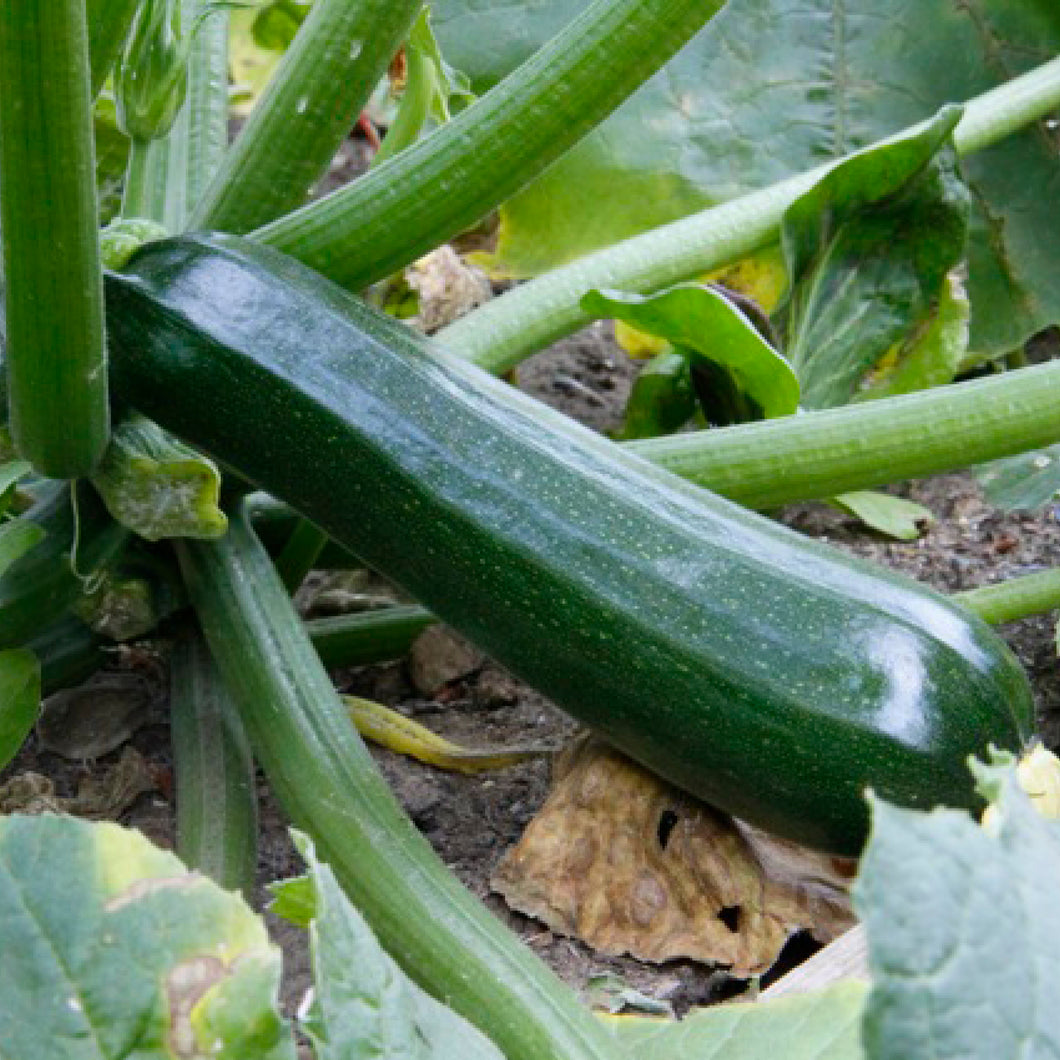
630, 864
448, 288
101, 795
90, 721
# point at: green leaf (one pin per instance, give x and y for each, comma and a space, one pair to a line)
295, 900
718, 335
1025, 482
935, 353
964, 931
824, 1025
367, 1006
774, 87
10, 473
258, 37
112, 949
868, 249
19, 700
661, 399
276, 23
447, 84
894, 516
16, 539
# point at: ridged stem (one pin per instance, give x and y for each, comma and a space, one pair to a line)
166, 176
504, 331
194, 149
302, 550
452, 178
56, 357
367, 636
1007, 601
339, 54
818, 454
142, 195
327, 783
217, 814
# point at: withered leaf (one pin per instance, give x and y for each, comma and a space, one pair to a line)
630, 864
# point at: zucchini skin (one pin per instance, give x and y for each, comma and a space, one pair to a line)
768, 674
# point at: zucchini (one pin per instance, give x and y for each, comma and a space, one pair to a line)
768, 674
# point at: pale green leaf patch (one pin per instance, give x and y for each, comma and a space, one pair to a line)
894, 516
113, 949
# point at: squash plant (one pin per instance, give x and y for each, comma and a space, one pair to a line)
204, 335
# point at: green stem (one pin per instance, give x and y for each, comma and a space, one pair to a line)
195, 146
367, 636
56, 356
302, 550
818, 454
413, 110
450, 179
1007, 601
217, 816
142, 196
326, 781
335, 61
501, 333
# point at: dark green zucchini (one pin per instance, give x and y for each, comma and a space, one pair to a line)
769, 674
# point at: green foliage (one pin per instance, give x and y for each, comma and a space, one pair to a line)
661, 400
868, 249
20, 680
764, 92
111, 949
825, 1025
369, 1007
963, 930
748, 379
1024, 482
894, 516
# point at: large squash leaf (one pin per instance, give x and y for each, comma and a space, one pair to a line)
113, 949
774, 87
868, 249
964, 930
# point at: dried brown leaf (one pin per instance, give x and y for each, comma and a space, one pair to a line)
630, 864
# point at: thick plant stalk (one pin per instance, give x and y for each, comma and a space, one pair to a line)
168, 175
195, 147
217, 817
56, 355
324, 778
327, 74
454, 177
368, 636
501, 333
772, 462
